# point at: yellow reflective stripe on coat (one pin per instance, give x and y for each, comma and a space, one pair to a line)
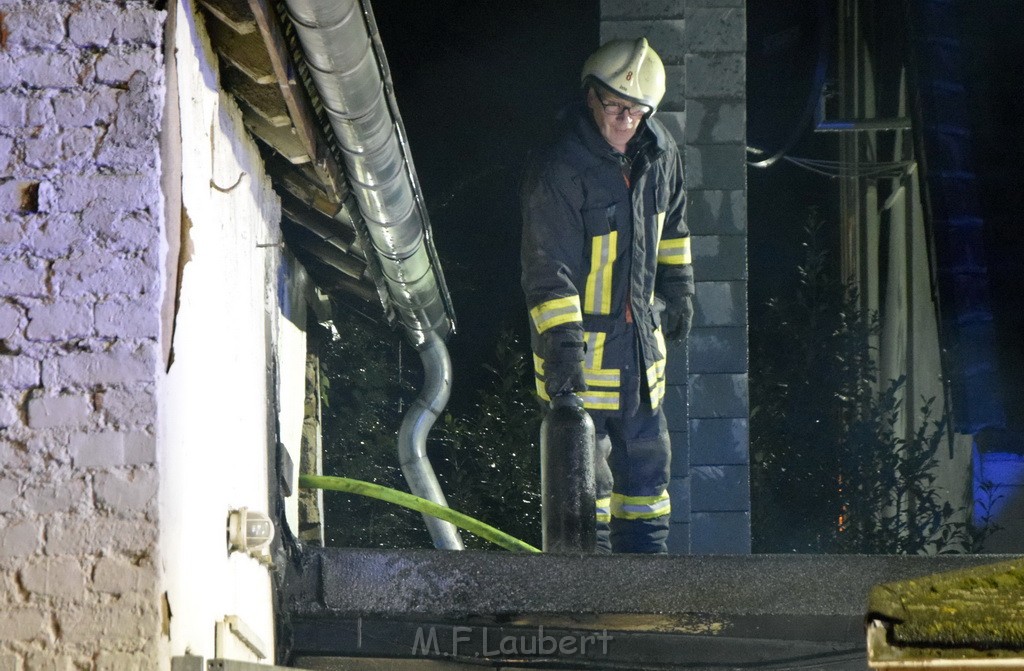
593, 373
538, 374
555, 312
674, 252
640, 507
597, 300
604, 509
600, 400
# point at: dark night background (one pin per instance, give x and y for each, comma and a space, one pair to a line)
479, 81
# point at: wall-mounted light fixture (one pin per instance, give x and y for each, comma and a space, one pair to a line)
250, 531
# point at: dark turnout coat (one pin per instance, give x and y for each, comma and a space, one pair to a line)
599, 250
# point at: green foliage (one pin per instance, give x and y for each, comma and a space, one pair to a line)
492, 455
830, 470
367, 393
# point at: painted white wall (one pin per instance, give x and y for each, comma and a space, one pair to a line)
217, 402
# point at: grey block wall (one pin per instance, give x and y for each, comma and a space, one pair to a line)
703, 46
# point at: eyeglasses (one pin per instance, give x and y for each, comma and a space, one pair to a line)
615, 109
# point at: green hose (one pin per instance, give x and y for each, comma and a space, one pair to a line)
485, 531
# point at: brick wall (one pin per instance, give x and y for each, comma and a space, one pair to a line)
703, 46
81, 96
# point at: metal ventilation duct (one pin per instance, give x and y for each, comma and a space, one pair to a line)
346, 66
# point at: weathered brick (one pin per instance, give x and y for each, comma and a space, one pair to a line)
132, 491
18, 372
10, 320
69, 494
720, 304
119, 576
128, 318
43, 70
666, 36
19, 195
12, 109
123, 661
675, 89
85, 109
39, 111
135, 619
118, 66
19, 539
142, 25
46, 412
719, 395
122, 364
139, 448
716, 29
48, 661
128, 407
10, 662
55, 576
120, 230
9, 417
10, 492
716, 76
93, 25
719, 441
95, 274
91, 450
715, 121
53, 236
79, 534
23, 624
59, 320
41, 26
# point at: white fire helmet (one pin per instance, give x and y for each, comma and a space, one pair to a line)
630, 68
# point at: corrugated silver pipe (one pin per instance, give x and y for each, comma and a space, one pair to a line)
348, 68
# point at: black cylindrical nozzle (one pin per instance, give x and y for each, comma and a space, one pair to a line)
567, 477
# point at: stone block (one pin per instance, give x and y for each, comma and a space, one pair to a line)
679, 493
716, 76
118, 576
675, 408
86, 108
118, 661
130, 275
39, 111
675, 89
675, 123
130, 491
666, 36
680, 453
678, 538
114, 626
55, 576
716, 29
719, 395
12, 110
10, 320
641, 9
141, 25
47, 661
54, 236
97, 450
126, 318
720, 304
128, 407
720, 533
10, 493
10, 662
22, 624
93, 25
47, 412
715, 166
710, 121
721, 349
18, 372
711, 211
719, 441
720, 488
60, 320
139, 448
19, 539
719, 257
41, 26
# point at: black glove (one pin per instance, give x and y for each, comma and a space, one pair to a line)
563, 362
678, 318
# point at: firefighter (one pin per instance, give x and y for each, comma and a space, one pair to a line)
607, 277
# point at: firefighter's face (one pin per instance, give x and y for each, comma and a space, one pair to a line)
617, 118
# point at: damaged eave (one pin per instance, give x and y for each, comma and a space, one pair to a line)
257, 69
